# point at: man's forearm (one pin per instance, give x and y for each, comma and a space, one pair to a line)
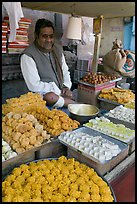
52, 98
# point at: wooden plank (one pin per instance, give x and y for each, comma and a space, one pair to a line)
120, 168
51, 150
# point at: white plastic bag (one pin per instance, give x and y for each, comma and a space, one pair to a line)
85, 49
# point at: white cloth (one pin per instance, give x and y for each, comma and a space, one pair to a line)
15, 12
32, 78
59, 103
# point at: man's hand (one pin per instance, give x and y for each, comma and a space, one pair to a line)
66, 92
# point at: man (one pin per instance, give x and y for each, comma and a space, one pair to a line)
44, 68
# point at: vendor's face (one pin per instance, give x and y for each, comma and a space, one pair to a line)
46, 37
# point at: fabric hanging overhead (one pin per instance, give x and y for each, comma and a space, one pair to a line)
15, 12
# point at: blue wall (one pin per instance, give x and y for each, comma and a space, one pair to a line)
129, 35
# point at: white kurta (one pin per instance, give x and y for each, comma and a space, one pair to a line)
32, 78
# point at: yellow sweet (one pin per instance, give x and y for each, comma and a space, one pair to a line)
44, 181
118, 95
22, 131
23, 104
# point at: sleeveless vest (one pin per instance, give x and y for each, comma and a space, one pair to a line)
45, 63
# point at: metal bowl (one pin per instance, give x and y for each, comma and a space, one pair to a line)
82, 112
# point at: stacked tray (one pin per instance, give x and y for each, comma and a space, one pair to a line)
90, 140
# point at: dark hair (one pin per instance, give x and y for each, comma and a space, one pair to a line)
42, 23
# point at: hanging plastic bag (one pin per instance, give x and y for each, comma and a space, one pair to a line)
85, 48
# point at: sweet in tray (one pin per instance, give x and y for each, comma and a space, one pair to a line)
118, 131
96, 147
121, 96
122, 113
98, 78
56, 180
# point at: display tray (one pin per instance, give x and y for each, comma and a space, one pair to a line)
97, 85
109, 101
112, 192
26, 156
130, 143
101, 168
127, 141
126, 123
106, 104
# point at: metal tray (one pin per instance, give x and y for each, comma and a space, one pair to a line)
102, 169
112, 192
52, 149
97, 85
94, 133
109, 101
131, 143
115, 120
28, 155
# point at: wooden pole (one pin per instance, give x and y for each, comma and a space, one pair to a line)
96, 53
97, 30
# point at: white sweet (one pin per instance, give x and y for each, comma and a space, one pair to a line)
81, 147
70, 136
78, 140
86, 144
101, 158
115, 152
3, 158
4, 143
87, 150
91, 152
114, 146
76, 145
95, 140
67, 133
103, 144
96, 148
100, 143
108, 156
96, 155
91, 145
82, 142
88, 139
69, 140
104, 119
12, 154
6, 148
63, 139
73, 142
102, 151
123, 113
94, 121
7, 154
